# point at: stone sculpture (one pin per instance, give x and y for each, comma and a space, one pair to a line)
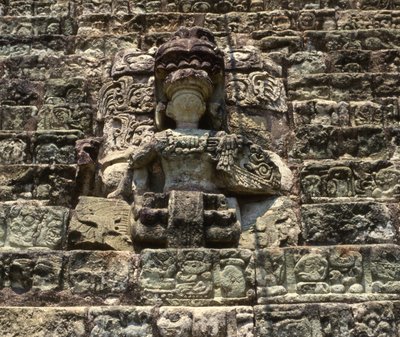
203, 167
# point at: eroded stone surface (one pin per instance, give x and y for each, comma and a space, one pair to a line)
336, 273
368, 319
99, 223
26, 225
197, 276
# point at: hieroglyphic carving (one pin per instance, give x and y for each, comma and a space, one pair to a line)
125, 96
349, 223
99, 222
327, 273
377, 179
201, 276
28, 225
257, 89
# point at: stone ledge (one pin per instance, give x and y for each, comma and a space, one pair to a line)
328, 274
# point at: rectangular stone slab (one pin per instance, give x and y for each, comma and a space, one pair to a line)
124, 321
322, 320
73, 278
197, 277
328, 274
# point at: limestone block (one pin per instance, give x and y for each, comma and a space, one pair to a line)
73, 278
257, 89
18, 117
327, 274
40, 322
132, 61
327, 181
30, 275
50, 8
55, 147
100, 274
302, 63
121, 321
51, 45
20, 8
171, 321
14, 148
378, 112
21, 92
243, 59
66, 117
99, 223
29, 26
153, 39
199, 322
363, 319
326, 142
128, 321
197, 277
364, 39
271, 223
287, 44
26, 225
53, 185
349, 223
336, 87
70, 90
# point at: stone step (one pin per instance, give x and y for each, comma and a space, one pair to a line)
37, 69
376, 113
207, 277
346, 222
28, 224
330, 142
41, 147
262, 320
52, 185
344, 61
350, 181
343, 87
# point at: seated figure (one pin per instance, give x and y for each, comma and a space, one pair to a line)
204, 168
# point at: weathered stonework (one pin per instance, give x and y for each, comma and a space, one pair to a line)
237, 177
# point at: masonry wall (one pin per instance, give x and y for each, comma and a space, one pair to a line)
322, 261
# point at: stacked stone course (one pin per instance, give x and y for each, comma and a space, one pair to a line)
321, 259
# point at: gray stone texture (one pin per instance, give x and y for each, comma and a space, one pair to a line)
94, 243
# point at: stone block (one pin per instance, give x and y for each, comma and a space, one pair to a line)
66, 117
99, 223
172, 321
14, 148
26, 225
349, 223
340, 319
74, 279
18, 118
327, 142
38, 322
55, 147
271, 223
51, 185
327, 274
29, 276
366, 39
377, 112
197, 277
256, 90
104, 275
329, 181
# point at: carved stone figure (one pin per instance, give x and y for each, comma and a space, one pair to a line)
203, 167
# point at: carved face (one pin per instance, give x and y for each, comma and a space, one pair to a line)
186, 106
175, 324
